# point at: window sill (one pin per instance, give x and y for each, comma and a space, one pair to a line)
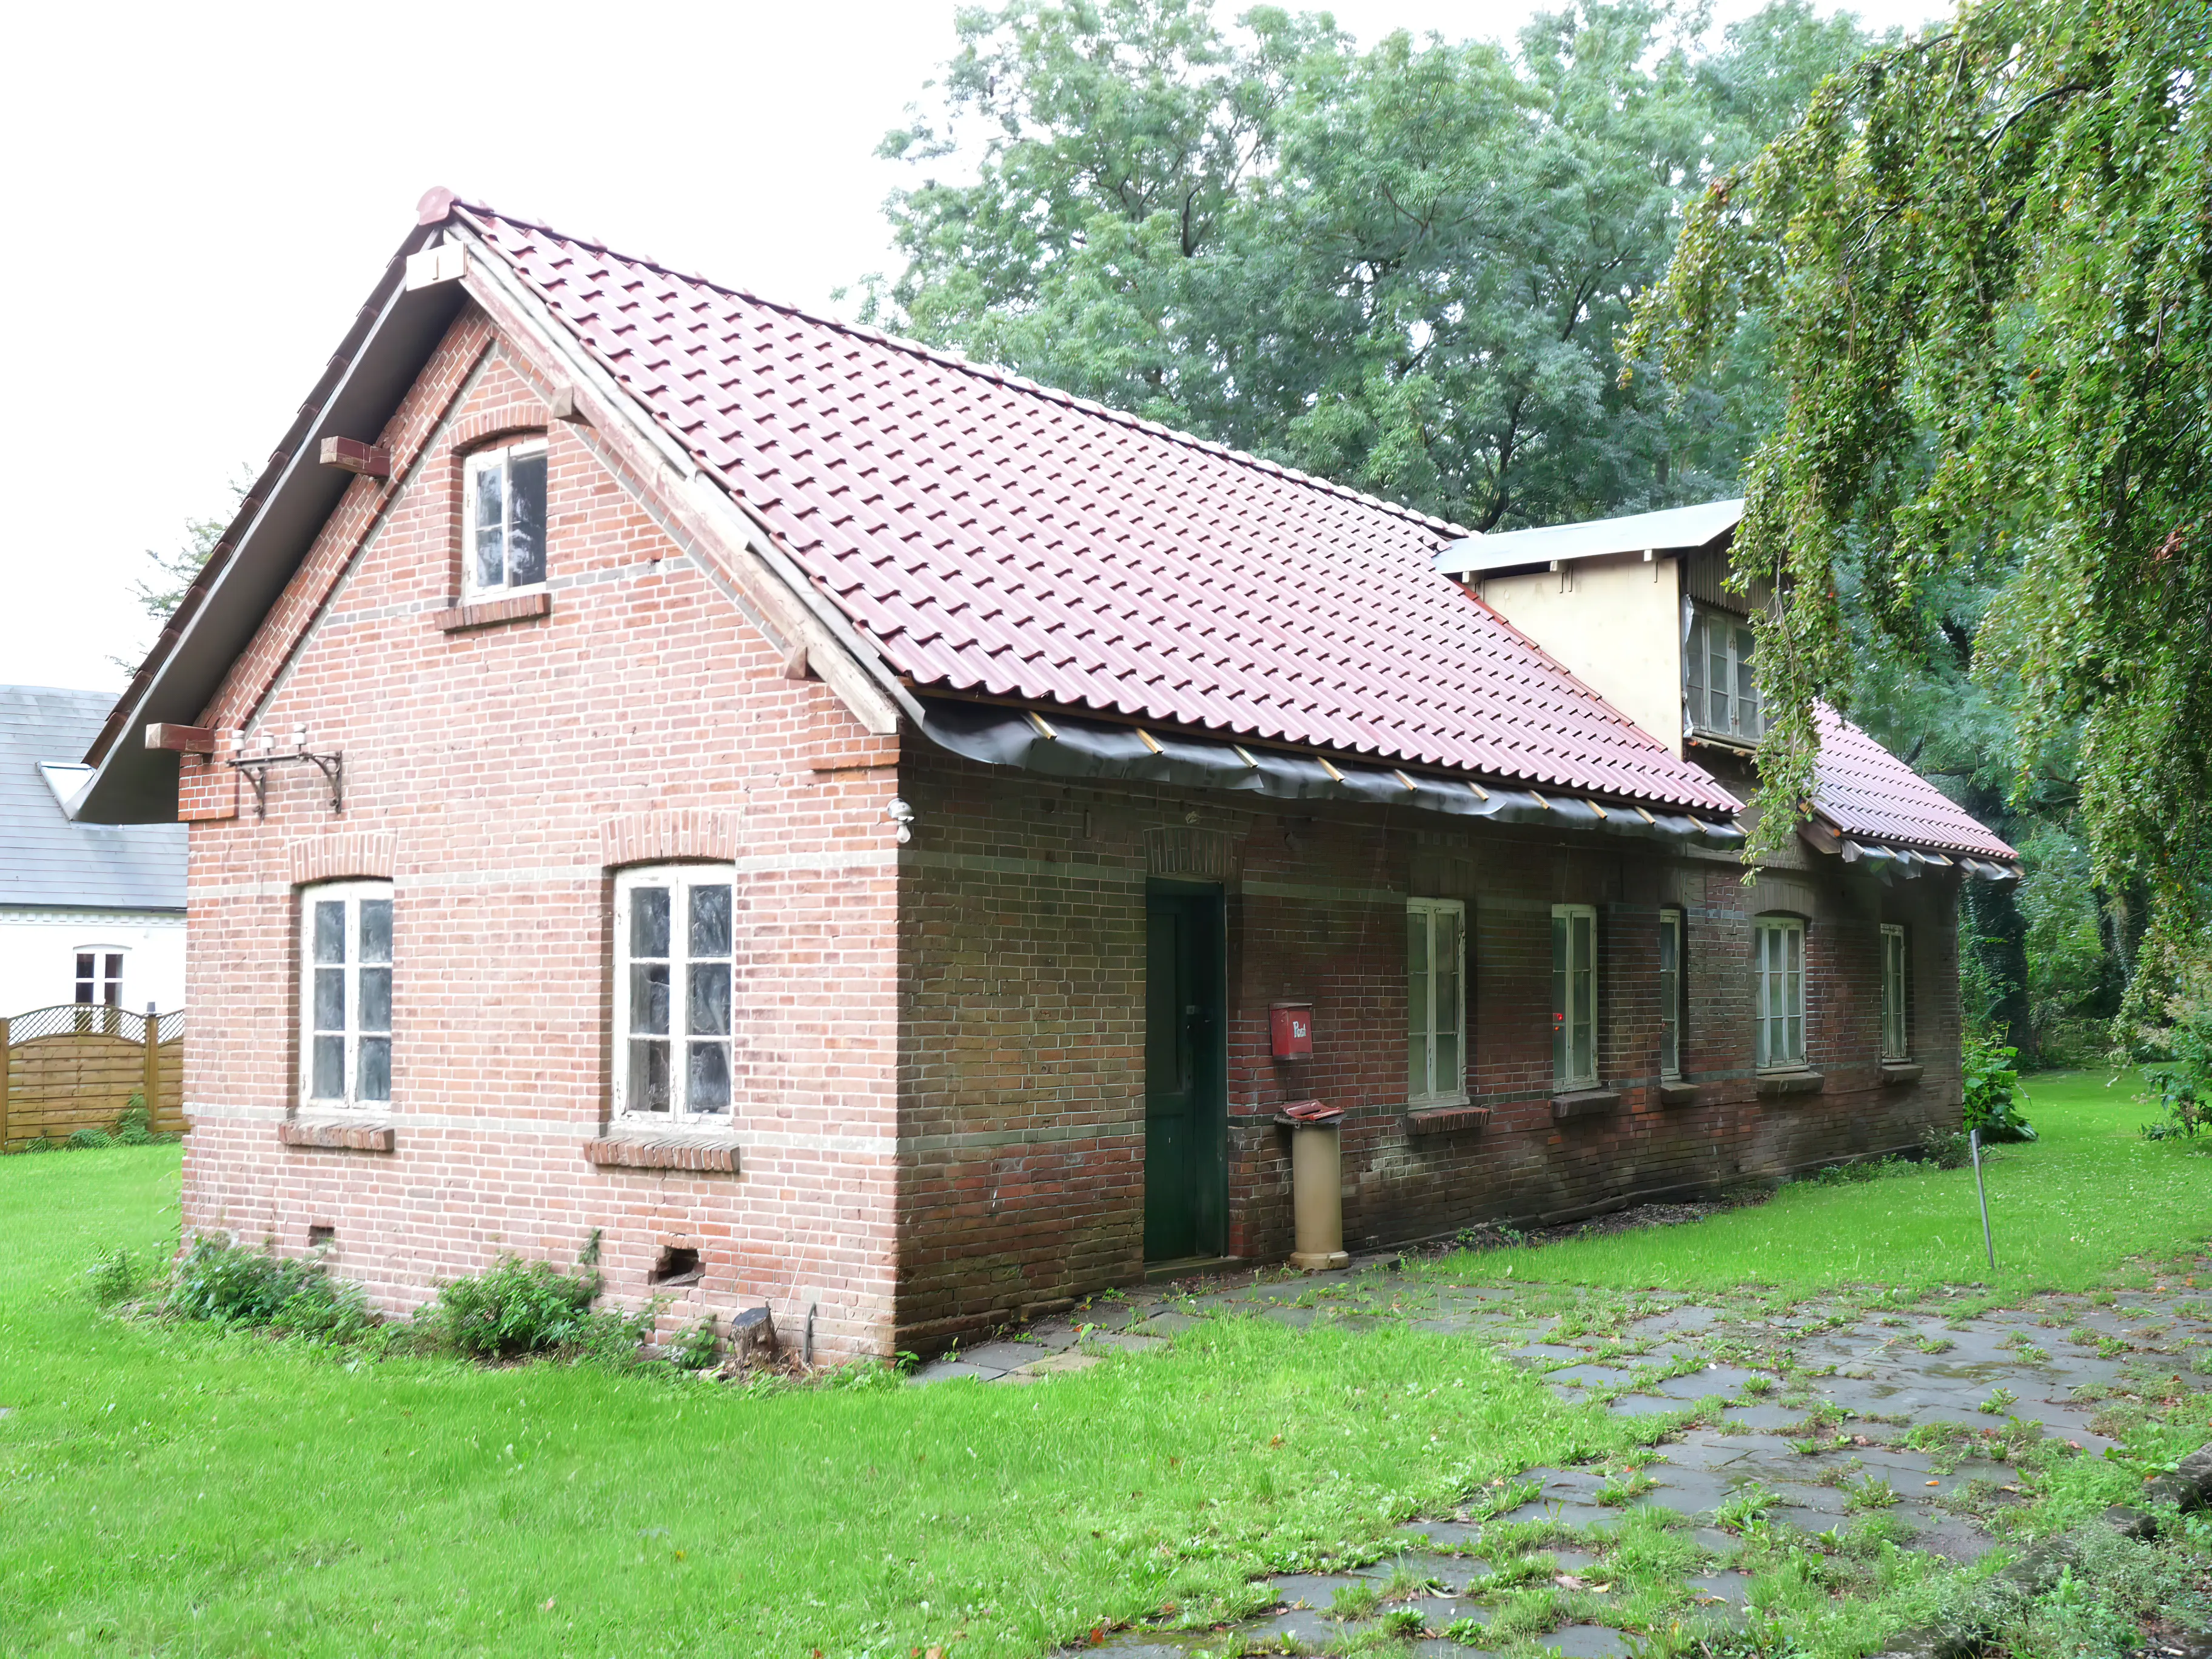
1895, 1072
485, 613
1446, 1120
709, 1152
340, 1136
1677, 1091
1584, 1102
1775, 1085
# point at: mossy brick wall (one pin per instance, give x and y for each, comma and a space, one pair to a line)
1022, 963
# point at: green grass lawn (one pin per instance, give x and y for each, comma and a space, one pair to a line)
2067, 1213
176, 1489
179, 1490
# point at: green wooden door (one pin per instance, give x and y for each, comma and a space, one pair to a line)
1186, 1109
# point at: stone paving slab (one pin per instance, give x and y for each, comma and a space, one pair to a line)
1866, 1381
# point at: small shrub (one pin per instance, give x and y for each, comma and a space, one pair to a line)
1992, 1090
2181, 1070
134, 1127
1946, 1149
517, 1307
230, 1285
90, 1141
698, 1348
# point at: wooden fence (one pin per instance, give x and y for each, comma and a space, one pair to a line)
76, 1066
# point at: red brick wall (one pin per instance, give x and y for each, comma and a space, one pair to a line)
939, 1112
496, 775
1022, 936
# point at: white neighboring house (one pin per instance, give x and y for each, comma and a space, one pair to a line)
88, 912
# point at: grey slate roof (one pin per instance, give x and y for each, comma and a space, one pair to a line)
45, 858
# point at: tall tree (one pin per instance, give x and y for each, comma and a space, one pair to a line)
1404, 268
1986, 258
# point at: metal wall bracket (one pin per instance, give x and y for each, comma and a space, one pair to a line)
256, 768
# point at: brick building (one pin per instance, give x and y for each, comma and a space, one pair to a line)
837, 821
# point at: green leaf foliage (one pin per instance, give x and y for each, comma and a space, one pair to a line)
1402, 268
1984, 255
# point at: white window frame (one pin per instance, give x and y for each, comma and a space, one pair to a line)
1567, 1018
1777, 966
1896, 1014
104, 981
499, 458
351, 1032
677, 880
1736, 661
1423, 1002
1673, 928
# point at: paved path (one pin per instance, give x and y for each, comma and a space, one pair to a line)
1807, 1417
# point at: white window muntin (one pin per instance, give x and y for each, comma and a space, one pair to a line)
1896, 1037
503, 519
345, 993
1436, 1002
1574, 996
675, 968
1720, 694
1778, 974
1670, 994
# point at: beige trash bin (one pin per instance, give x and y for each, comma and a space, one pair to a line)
1316, 1184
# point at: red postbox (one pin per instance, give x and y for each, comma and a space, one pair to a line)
1290, 1025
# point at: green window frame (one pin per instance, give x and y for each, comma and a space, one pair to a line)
1436, 1002
1896, 1022
1574, 996
1778, 976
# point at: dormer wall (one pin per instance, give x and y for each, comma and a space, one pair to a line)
1615, 622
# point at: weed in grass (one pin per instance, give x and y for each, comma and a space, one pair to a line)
1745, 1506
2001, 1400
2031, 1354
1535, 1567
1869, 1492
1467, 1632
1934, 1345
1756, 1384
1403, 1622
1528, 1612
115, 1278
1623, 1489
1353, 1601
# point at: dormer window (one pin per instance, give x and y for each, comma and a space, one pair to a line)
503, 499
1720, 698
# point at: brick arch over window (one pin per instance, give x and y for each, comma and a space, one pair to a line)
335, 857
512, 420
651, 837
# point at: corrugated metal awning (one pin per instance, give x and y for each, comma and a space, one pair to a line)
1677, 529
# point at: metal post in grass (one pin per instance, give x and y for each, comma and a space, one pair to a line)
1974, 1145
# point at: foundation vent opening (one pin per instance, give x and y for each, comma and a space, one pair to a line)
675, 1265
322, 1238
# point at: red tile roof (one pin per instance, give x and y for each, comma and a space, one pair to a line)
994, 538
1865, 791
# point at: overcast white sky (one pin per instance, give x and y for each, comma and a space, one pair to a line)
202, 195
